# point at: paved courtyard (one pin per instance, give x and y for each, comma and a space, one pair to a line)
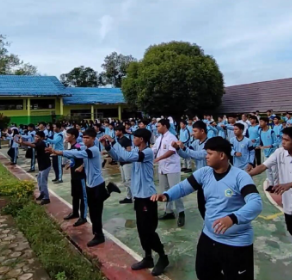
273, 247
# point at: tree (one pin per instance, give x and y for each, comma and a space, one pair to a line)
172, 79
10, 64
80, 77
115, 66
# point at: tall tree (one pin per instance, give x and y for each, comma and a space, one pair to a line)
10, 64
80, 77
115, 66
172, 79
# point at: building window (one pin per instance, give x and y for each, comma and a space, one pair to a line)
86, 114
108, 113
13, 104
36, 104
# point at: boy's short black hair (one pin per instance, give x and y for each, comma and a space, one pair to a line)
183, 121
200, 125
143, 133
73, 131
253, 117
145, 121
97, 125
265, 119
58, 125
219, 144
239, 125
232, 116
287, 131
31, 125
43, 123
120, 128
40, 134
277, 117
90, 132
165, 122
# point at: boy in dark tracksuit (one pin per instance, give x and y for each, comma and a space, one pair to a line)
78, 182
142, 187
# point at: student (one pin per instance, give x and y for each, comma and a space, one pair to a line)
185, 137
268, 143
246, 124
96, 191
278, 129
232, 202
211, 129
111, 130
173, 127
80, 134
270, 116
242, 149
230, 127
31, 134
281, 158
44, 164
13, 144
221, 130
58, 144
125, 167
143, 187
78, 181
99, 130
43, 127
168, 169
254, 136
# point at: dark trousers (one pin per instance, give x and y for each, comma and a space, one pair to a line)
258, 157
147, 222
96, 197
217, 261
32, 160
288, 220
57, 165
79, 195
78, 204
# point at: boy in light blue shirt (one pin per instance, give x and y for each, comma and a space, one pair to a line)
242, 149
212, 130
278, 128
268, 143
221, 130
231, 202
254, 136
142, 188
185, 137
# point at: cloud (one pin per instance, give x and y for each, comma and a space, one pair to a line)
250, 40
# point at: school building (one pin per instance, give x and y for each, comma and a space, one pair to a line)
31, 99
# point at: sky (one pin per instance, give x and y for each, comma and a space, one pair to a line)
250, 39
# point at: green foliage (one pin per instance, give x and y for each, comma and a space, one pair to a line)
80, 77
4, 121
172, 79
115, 66
61, 276
10, 64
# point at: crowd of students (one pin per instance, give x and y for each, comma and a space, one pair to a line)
225, 154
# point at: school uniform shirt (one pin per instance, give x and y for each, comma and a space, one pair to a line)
211, 131
142, 183
80, 137
184, 136
283, 161
246, 126
125, 142
278, 131
253, 134
99, 134
246, 148
289, 122
163, 145
197, 152
190, 129
43, 158
230, 194
172, 129
75, 163
268, 138
12, 140
92, 164
221, 130
111, 133
57, 141
230, 131
154, 130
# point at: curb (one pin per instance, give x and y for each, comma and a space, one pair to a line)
114, 257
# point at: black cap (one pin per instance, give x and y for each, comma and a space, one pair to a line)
143, 133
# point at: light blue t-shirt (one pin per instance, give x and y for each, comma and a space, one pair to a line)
253, 134
57, 141
184, 136
234, 194
142, 181
221, 130
278, 131
268, 138
246, 148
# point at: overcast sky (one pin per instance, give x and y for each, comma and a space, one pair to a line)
250, 39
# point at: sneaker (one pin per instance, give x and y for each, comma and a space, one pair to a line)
183, 169
126, 200
12, 163
71, 216
45, 201
96, 241
55, 180
181, 219
31, 171
58, 182
144, 264
167, 216
40, 197
159, 268
80, 222
111, 187
188, 170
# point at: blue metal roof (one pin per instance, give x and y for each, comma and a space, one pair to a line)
14, 85
91, 95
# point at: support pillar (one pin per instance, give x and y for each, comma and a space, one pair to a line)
120, 112
61, 106
28, 110
92, 112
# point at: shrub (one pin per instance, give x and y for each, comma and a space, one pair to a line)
18, 189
